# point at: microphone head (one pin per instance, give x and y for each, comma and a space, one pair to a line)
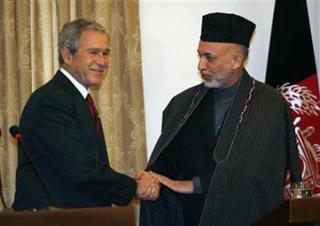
15, 132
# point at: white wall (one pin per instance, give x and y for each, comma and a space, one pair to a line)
170, 31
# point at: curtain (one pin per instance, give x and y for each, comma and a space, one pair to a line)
29, 58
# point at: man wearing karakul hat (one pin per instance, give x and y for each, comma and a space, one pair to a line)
226, 144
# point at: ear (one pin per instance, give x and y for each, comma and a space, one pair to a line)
238, 59
66, 55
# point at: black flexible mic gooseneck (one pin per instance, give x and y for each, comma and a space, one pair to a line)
15, 132
1, 191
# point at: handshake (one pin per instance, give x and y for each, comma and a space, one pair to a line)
149, 183
148, 186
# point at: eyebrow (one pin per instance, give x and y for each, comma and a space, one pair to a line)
99, 50
206, 54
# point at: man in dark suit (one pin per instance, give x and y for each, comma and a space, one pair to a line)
61, 129
226, 145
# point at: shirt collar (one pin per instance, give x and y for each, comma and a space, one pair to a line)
83, 90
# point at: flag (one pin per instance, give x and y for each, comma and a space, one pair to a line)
291, 69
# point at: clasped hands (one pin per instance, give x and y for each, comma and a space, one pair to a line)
148, 185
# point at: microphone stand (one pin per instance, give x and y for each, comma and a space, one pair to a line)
1, 196
14, 130
1, 191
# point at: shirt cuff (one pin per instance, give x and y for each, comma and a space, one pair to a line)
196, 185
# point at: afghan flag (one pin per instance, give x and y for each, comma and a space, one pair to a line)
292, 70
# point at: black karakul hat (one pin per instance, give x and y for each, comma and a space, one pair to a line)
229, 28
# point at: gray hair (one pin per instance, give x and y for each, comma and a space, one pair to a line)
245, 51
70, 34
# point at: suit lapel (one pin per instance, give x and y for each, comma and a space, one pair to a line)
84, 114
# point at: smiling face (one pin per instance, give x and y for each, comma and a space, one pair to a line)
220, 64
90, 62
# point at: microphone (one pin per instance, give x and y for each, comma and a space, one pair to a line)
15, 133
1, 191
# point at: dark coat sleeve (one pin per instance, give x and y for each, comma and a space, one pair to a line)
167, 209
